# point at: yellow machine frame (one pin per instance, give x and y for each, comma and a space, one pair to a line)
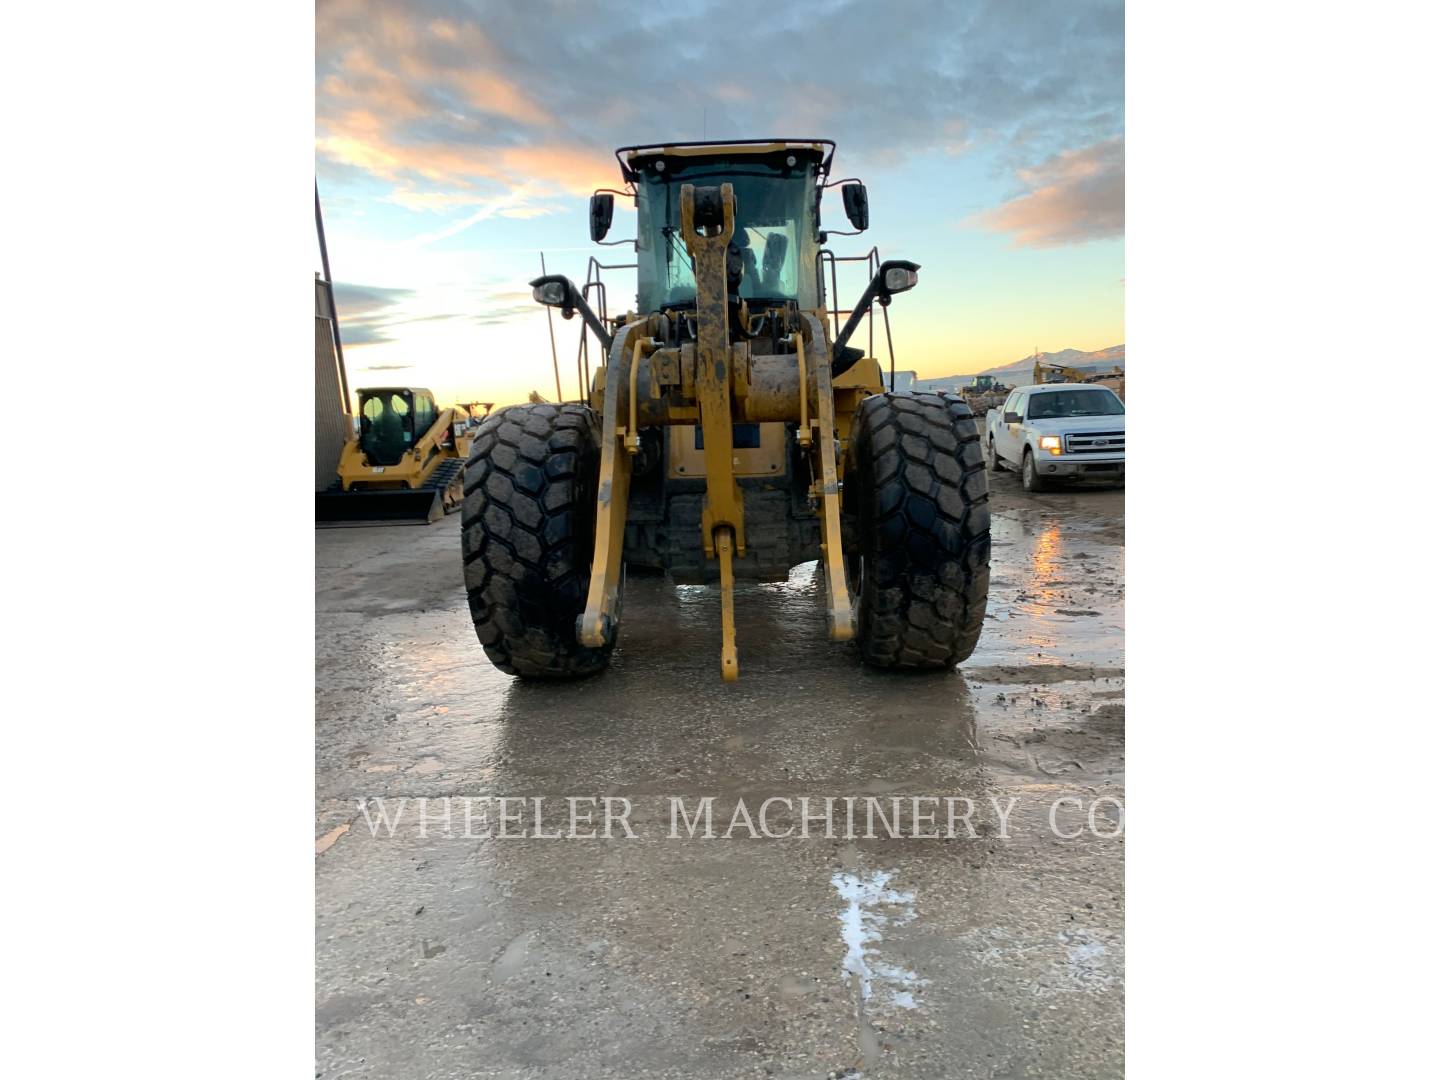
714, 383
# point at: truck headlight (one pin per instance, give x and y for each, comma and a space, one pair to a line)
1051, 443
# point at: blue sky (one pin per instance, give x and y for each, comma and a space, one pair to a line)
455, 141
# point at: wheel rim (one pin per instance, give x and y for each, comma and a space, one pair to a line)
1029, 470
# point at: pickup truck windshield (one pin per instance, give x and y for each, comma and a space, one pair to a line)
1063, 403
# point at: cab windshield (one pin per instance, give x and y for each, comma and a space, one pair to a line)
386, 426
774, 233
1062, 403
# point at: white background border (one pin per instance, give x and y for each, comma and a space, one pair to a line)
1281, 272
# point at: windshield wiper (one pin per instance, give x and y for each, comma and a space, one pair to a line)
668, 232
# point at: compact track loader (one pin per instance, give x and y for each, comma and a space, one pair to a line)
732, 433
405, 463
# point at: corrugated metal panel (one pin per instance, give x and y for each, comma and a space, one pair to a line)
332, 419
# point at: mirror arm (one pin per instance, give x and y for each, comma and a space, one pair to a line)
574, 302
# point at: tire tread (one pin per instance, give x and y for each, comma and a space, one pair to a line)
924, 526
526, 538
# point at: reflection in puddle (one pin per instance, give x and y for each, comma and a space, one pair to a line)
1056, 593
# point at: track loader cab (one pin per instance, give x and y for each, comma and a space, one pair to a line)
732, 433
389, 418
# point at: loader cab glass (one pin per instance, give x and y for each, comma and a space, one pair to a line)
776, 225
387, 425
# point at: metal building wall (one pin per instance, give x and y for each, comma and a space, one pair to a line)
332, 411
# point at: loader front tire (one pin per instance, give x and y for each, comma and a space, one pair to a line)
917, 493
528, 537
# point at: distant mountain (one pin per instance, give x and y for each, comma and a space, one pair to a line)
1019, 372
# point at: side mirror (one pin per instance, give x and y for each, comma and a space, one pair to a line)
552, 291
857, 205
602, 212
898, 276
1011, 418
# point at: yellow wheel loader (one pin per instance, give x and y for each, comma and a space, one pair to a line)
732, 433
1052, 373
404, 464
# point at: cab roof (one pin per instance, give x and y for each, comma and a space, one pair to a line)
412, 390
633, 159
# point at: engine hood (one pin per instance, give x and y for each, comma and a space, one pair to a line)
1069, 425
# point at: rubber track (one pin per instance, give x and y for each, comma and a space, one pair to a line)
526, 528
924, 526
445, 472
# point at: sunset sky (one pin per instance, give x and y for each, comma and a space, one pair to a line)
455, 141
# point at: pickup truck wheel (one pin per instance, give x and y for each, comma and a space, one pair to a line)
992, 459
527, 536
921, 515
1030, 478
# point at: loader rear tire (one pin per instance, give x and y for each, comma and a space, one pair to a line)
528, 537
917, 489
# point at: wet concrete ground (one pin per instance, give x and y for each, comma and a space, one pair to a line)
998, 955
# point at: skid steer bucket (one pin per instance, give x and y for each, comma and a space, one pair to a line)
353, 508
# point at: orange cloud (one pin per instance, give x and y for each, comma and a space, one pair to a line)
578, 170
493, 94
732, 92
1076, 196
423, 103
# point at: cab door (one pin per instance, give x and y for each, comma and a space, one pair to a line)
1010, 433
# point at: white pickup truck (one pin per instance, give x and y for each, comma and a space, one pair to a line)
1058, 431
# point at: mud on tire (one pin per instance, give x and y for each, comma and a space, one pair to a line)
918, 499
527, 538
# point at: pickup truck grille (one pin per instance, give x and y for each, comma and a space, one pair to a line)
1095, 442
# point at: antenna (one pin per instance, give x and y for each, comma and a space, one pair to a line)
554, 356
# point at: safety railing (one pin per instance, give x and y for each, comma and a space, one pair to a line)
595, 284
871, 259
593, 281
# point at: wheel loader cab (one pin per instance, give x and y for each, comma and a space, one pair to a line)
777, 227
